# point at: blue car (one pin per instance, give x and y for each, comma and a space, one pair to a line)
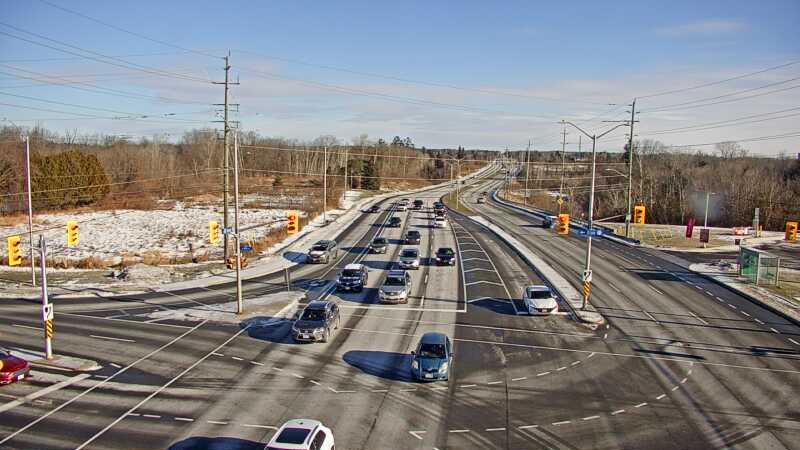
433, 358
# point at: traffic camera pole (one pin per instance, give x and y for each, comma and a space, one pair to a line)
47, 311
239, 303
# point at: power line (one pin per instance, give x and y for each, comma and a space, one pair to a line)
754, 139
692, 104
36, 60
91, 116
730, 122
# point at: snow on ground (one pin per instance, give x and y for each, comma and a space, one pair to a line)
178, 231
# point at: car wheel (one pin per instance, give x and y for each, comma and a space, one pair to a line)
338, 322
326, 335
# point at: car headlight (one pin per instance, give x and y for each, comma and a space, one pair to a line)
443, 367
438, 259
414, 364
319, 330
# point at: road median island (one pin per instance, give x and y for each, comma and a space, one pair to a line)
58, 362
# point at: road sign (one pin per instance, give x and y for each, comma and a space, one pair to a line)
245, 248
592, 232
47, 312
227, 230
560, 201
704, 234
689, 228
587, 275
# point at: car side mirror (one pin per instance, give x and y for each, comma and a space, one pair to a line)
413, 353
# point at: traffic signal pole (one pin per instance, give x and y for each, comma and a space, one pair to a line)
47, 309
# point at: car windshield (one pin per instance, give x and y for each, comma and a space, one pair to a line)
351, 273
379, 241
431, 351
292, 436
409, 254
446, 252
413, 234
395, 281
539, 294
313, 315
319, 248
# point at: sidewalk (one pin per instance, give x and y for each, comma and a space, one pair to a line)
60, 362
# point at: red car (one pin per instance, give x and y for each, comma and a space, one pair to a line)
12, 368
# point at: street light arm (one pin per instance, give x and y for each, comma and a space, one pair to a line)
578, 128
624, 124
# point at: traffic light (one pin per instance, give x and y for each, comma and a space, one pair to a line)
213, 232
791, 231
230, 263
563, 224
638, 214
14, 250
72, 233
292, 222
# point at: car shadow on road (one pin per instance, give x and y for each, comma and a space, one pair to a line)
496, 305
355, 250
387, 365
379, 265
216, 443
366, 296
295, 257
269, 328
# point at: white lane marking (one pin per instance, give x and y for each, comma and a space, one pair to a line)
560, 369
759, 321
162, 387
709, 293
68, 402
496, 429
184, 419
458, 431
256, 363
745, 313
661, 396
268, 427
111, 338
542, 374
657, 291
467, 385
590, 355
698, 318
101, 376
619, 411
134, 414
116, 366
43, 392
591, 418
563, 422
416, 434
640, 405
278, 369
484, 282
719, 298
684, 380
774, 330
575, 363
651, 316
217, 354
298, 376
698, 287
439, 388
216, 422
605, 336
26, 326
315, 382
675, 388
793, 341
519, 379
614, 287
151, 416
527, 427
732, 306
494, 382
408, 390
237, 358
477, 269
689, 372
380, 390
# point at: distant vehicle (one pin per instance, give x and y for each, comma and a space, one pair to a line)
401, 207
481, 199
548, 222
394, 222
446, 256
405, 200
413, 237
433, 358
317, 323
409, 258
12, 368
374, 209
379, 245
439, 222
418, 204
322, 252
352, 278
539, 300
396, 288
437, 205
302, 434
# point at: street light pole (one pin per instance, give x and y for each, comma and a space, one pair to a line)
325, 187
630, 171
587, 274
527, 169
705, 222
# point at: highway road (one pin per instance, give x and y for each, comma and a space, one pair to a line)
682, 364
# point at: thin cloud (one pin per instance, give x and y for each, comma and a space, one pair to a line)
709, 27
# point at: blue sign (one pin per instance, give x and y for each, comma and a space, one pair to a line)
245, 248
227, 230
592, 232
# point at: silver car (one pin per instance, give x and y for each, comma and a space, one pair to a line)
409, 258
396, 288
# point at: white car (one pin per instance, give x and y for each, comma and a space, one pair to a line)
302, 434
539, 300
440, 222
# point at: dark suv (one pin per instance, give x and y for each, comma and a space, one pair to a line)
413, 237
446, 256
394, 222
418, 204
322, 252
317, 322
352, 278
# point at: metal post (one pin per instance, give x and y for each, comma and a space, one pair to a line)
705, 222
30, 208
591, 221
563, 149
458, 186
325, 188
238, 238
48, 342
527, 169
346, 187
630, 171
226, 162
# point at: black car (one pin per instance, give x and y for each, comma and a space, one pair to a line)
438, 205
394, 222
418, 204
374, 209
379, 245
317, 322
352, 278
440, 212
446, 256
413, 237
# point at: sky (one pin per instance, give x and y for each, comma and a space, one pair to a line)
477, 74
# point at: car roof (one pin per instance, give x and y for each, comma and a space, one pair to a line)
445, 248
354, 267
537, 287
396, 273
324, 242
433, 338
405, 249
413, 232
319, 304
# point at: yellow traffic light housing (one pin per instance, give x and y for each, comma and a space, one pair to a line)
563, 224
14, 250
639, 214
292, 222
213, 232
791, 231
72, 233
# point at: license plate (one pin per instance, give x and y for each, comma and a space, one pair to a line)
428, 375
305, 336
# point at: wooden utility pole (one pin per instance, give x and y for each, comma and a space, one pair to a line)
226, 156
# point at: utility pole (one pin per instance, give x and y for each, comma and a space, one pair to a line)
238, 238
527, 169
30, 207
563, 149
325, 188
226, 153
630, 171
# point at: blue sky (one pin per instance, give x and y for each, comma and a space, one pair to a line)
558, 59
